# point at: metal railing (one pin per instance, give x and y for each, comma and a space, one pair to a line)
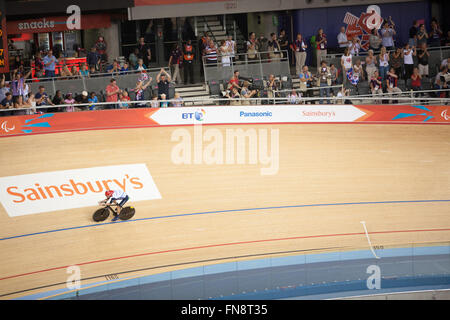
96, 83
260, 67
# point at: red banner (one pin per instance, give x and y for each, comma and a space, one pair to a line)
4, 61
242, 115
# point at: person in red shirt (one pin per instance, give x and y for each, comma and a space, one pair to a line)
112, 93
234, 81
416, 82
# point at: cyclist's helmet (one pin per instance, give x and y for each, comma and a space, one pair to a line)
109, 193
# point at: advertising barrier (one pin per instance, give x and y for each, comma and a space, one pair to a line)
211, 115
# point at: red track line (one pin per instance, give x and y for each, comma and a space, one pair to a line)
219, 245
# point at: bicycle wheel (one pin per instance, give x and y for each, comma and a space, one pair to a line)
127, 213
101, 214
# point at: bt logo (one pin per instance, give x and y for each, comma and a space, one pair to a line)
198, 115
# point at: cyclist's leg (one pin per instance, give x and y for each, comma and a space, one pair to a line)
122, 203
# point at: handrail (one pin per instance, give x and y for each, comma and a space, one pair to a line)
257, 100
96, 75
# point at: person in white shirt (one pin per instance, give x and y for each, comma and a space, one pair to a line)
346, 63
231, 44
445, 62
342, 40
113, 196
294, 97
355, 46
408, 60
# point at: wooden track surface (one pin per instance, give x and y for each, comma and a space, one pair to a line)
334, 168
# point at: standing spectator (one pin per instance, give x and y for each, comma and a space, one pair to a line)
371, 64
133, 58
374, 40
211, 53
334, 74
321, 42
262, 45
435, 34
18, 84
144, 51
246, 93
391, 84
423, 55
413, 34
92, 100
4, 88
324, 81
408, 60
342, 40
252, 39
252, 53
163, 80
139, 90
384, 63
101, 48
358, 70
175, 60
376, 84
397, 62
284, 43
274, 47
416, 82
422, 35
272, 87
306, 79
50, 64
299, 48
38, 65
346, 64
93, 58
112, 93
188, 62
234, 81
231, 44
225, 53
387, 35
42, 99
355, 46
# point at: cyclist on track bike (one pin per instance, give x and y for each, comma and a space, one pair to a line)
113, 196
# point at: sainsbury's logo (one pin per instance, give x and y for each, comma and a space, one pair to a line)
69, 189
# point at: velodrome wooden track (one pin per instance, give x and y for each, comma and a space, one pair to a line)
334, 168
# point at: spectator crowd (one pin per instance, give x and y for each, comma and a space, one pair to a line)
385, 64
